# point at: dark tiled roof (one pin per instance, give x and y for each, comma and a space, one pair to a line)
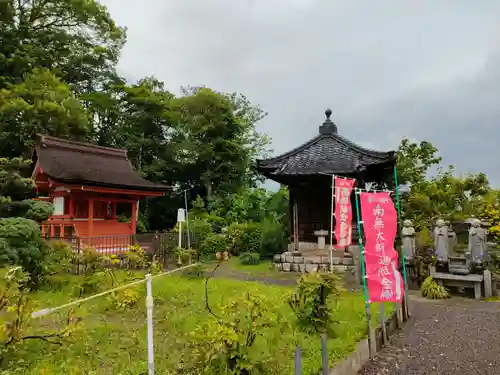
328, 153
84, 163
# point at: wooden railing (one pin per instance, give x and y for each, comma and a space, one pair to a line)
57, 228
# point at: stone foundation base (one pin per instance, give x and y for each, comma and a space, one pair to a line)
292, 262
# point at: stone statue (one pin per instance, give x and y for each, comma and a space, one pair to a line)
408, 239
452, 240
441, 243
477, 241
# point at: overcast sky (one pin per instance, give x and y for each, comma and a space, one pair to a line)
426, 69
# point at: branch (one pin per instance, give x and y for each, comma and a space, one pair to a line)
210, 275
43, 338
38, 337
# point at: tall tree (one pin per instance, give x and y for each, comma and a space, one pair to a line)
77, 39
445, 196
146, 129
220, 141
15, 187
415, 160
40, 104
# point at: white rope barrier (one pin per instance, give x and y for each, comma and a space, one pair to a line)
47, 311
149, 308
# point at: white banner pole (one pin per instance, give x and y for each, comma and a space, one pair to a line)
180, 234
149, 309
331, 223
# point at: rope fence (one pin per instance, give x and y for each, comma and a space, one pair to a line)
148, 279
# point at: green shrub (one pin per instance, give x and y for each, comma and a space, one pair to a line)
194, 272
55, 282
21, 244
224, 346
39, 210
199, 229
56, 264
214, 243
249, 239
184, 256
273, 240
90, 260
309, 301
216, 222
135, 257
125, 299
432, 290
91, 284
57, 258
249, 258
154, 266
234, 233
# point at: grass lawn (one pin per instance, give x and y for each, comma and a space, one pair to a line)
114, 341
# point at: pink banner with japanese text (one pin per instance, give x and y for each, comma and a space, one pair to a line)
343, 212
380, 219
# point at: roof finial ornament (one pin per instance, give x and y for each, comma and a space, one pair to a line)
328, 127
328, 113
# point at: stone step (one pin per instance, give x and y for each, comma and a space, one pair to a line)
311, 267
305, 259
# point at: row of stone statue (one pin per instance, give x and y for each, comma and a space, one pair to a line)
445, 241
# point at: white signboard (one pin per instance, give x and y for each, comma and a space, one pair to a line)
181, 215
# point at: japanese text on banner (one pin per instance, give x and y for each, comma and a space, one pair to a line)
343, 212
380, 227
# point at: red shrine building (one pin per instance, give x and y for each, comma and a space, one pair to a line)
85, 183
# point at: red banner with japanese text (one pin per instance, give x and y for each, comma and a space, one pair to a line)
380, 219
343, 211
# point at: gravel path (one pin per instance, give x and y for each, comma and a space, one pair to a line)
451, 337
290, 281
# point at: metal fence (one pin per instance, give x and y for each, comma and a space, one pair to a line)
160, 246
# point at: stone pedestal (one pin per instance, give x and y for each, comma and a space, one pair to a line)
321, 234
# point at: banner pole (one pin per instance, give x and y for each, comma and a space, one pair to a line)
331, 223
149, 310
363, 271
401, 255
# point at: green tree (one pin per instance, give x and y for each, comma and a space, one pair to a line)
138, 118
12, 183
219, 140
15, 187
20, 235
444, 195
146, 127
42, 103
77, 39
415, 160
488, 209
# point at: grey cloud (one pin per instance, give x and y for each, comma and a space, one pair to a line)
460, 117
388, 68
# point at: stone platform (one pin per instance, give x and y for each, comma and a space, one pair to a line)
314, 260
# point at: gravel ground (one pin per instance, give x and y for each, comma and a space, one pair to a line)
290, 281
451, 337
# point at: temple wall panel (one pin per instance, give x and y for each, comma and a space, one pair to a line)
314, 211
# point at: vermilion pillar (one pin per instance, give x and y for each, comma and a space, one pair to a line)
91, 217
133, 221
71, 207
